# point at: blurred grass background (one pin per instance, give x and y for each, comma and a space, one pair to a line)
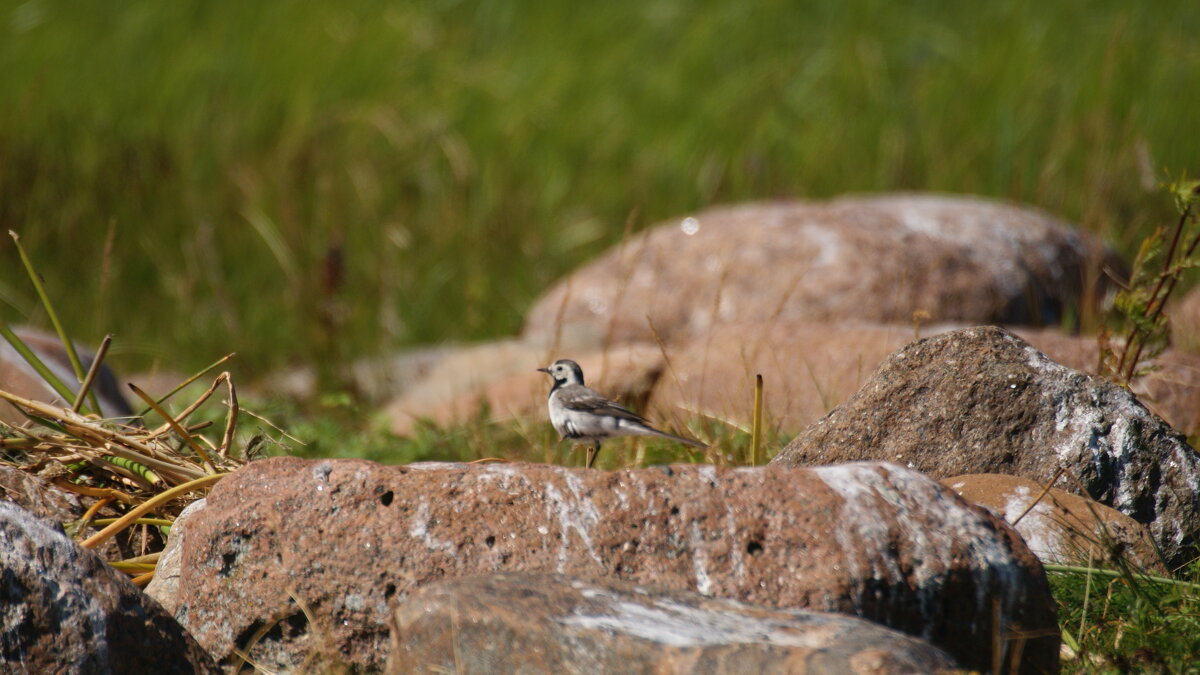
307, 182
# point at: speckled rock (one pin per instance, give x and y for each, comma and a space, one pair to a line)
63, 610
53, 504
1061, 527
552, 624
872, 258
348, 536
981, 400
38, 496
810, 367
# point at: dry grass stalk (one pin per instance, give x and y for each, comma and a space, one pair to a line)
145, 476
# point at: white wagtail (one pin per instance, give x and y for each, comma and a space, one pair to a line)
582, 414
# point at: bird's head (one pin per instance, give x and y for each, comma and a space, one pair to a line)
564, 371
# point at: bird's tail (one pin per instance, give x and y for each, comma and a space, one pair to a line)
678, 439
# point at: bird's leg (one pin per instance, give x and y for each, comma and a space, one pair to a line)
592, 451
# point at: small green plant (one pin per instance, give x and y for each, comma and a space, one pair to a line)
1161, 260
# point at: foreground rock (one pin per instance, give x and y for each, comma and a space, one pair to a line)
981, 400
811, 367
1061, 527
38, 496
347, 536
552, 624
64, 610
857, 258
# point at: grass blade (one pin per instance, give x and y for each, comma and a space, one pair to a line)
32, 359
58, 327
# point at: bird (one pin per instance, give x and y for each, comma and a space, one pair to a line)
584, 415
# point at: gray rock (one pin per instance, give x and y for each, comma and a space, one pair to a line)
63, 610
554, 624
981, 400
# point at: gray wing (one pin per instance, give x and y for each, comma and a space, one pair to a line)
583, 399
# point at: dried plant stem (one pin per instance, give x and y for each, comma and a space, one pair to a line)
148, 506
148, 558
90, 514
94, 492
125, 566
177, 427
190, 380
163, 522
230, 419
191, 408
1043, 493
85, 389
756, 429
121, 445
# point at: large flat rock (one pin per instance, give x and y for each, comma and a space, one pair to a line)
347, 536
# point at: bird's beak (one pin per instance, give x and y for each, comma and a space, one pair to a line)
544, 370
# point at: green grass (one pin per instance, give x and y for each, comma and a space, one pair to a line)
1128, 624
309, 182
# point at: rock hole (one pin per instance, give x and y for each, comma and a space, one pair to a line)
490, 541
389, 591
386, 498
228, 560
754, 548
674, 510
243, 638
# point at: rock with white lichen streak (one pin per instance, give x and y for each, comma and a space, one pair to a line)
981, 400
346, 537
63, 610
535, 623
